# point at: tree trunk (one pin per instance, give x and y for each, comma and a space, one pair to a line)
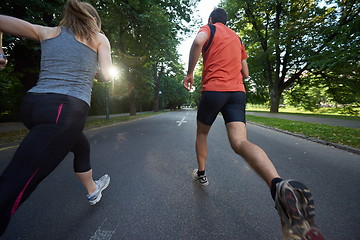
156, 99
132, 101
140, 106
157, 78
132, 97
275, 96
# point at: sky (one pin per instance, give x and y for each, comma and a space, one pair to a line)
204, 9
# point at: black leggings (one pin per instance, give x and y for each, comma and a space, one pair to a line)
55, 122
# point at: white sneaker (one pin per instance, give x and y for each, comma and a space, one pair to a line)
201, 178
101, 184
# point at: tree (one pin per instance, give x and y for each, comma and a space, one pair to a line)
144, 37
308, 96
173, 95
284, 37
23, 68
337, 65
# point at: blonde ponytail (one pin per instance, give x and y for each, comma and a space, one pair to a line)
82, 19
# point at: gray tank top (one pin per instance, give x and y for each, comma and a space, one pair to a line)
67, 67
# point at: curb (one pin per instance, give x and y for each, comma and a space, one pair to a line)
336, 145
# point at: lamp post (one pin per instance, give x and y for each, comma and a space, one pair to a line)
107, 100
160, 100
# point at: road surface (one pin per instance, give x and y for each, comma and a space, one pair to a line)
152, 195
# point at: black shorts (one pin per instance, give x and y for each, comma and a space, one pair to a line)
230, 104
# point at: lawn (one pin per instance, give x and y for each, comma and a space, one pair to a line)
334, 134
326, 112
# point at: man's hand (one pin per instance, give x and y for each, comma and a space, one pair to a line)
188, 82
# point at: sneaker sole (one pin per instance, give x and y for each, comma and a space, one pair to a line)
314, 234
299, 207
204, 184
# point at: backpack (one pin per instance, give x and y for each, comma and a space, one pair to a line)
212, 33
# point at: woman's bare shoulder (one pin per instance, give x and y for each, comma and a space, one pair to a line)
101, 38
48, 32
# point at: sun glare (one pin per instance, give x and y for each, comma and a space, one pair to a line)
114, 72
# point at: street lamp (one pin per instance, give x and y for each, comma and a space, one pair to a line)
107, 100
160, 101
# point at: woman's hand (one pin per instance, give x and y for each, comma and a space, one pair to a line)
3, 61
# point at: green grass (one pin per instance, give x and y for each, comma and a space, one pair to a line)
116, 120
13, 136
16, 136
322, 112
334, 134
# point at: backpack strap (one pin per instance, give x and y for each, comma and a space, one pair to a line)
212, 33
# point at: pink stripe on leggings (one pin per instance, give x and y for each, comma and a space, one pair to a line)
18, 199
59, 112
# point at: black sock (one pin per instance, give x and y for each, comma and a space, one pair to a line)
199, 173
273, 186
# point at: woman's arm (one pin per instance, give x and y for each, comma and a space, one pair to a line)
20, 28
104, 58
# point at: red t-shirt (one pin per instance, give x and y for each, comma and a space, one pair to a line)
222, 60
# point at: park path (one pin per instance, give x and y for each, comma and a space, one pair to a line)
326, 121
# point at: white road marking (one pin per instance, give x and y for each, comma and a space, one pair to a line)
102, 234
181, 122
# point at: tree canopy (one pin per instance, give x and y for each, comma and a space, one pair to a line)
289, 40
305, 53
143, 35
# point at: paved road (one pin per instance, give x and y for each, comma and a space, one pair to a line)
152, 196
